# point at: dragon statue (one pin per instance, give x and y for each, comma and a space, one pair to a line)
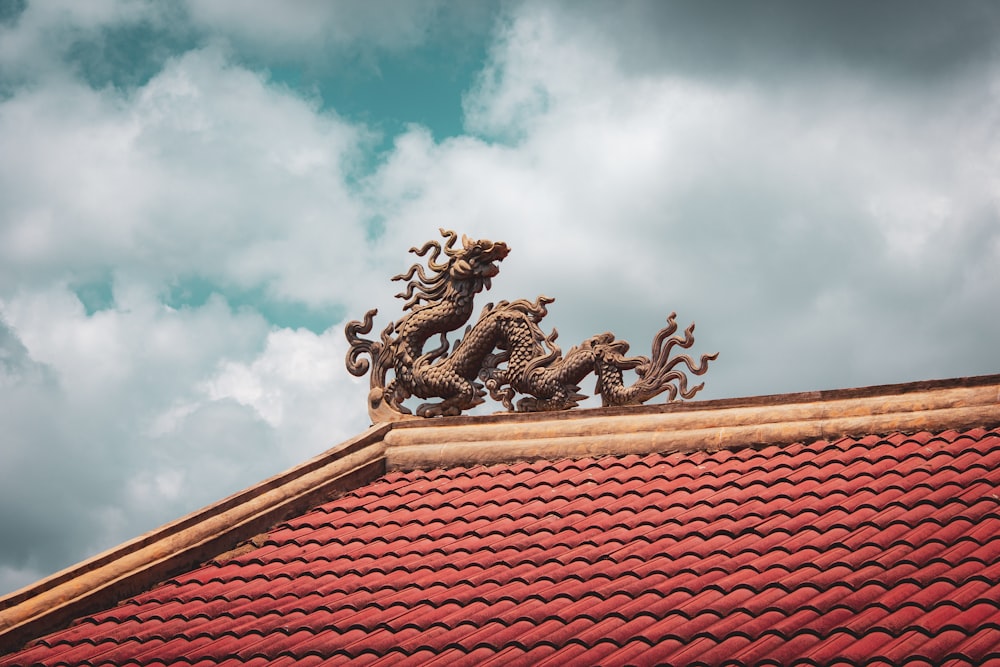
505, 352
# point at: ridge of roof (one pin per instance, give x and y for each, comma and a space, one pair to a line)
715, 424
778, 419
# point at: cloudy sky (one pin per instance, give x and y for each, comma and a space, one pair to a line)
195, 196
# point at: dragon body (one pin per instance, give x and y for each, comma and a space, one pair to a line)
505, 352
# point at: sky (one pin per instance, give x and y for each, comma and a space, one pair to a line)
195, 197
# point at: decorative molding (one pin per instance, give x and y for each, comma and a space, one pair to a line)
688, 428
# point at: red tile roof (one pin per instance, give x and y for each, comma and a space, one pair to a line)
862, 549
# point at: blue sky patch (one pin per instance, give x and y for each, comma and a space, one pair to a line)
195, 292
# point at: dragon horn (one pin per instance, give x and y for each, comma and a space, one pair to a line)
449, 244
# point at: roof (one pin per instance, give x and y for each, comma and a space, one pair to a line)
709, 531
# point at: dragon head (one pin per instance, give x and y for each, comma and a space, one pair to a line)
467, 268
478, 259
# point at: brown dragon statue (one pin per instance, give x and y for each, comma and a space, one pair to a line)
504, 352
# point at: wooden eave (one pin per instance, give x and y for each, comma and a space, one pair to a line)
139, 564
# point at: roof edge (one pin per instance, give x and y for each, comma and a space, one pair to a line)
135, 565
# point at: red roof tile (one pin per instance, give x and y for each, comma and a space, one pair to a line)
857, 550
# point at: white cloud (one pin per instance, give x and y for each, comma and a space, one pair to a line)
298, 386
98, 355
122, 420
35, 43
752, 209
293, 25
205, 170
824, 230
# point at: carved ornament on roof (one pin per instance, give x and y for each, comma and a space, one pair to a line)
505, 352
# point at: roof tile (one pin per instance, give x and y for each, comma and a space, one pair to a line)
861, 549
978, 647
775, 650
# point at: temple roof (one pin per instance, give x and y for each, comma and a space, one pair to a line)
856, 524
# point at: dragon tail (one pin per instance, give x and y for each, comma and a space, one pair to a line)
657, 375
